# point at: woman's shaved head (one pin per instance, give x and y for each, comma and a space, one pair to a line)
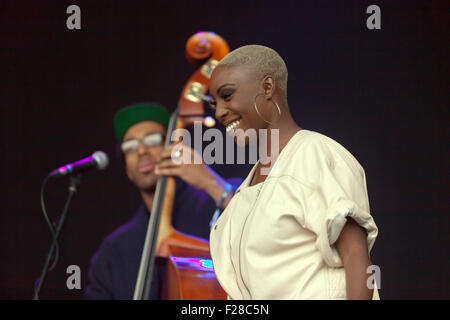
263, 60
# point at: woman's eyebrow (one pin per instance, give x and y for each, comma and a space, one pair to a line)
226, 84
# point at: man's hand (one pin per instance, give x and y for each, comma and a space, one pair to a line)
190, 167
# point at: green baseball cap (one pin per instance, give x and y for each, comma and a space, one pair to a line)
130, 115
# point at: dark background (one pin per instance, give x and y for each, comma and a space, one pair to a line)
383, 94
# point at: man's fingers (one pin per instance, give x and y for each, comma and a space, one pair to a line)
166, 163
167, 152
174, 171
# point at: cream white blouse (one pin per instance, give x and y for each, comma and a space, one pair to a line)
275, 239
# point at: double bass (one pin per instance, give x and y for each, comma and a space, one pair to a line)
187, 268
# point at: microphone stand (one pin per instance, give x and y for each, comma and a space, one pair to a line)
74, 182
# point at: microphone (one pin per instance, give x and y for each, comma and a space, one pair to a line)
98, 160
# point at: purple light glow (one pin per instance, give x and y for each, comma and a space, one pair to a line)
82, 161
70, 166
195, 262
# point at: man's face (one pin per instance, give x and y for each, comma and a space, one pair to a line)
141, 162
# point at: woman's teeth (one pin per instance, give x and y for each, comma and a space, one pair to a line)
233, 125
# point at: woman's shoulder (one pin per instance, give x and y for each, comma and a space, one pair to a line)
306, 141
315, 144
310, 152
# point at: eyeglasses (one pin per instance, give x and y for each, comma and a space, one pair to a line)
150, 140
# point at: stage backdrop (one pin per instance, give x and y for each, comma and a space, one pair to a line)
381, 93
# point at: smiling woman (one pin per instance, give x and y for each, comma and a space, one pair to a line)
301, 229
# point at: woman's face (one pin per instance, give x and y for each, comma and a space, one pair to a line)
233, 90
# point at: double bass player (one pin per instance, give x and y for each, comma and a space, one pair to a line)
140, 130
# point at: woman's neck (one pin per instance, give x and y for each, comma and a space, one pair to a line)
276, 138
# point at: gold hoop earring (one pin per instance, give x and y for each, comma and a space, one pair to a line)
257, 111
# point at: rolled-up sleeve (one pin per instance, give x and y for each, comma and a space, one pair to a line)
340, 192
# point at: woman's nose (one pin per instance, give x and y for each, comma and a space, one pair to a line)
221, 113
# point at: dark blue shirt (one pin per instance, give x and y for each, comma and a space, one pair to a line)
115, 265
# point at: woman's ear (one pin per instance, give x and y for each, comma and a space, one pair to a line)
268, 86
